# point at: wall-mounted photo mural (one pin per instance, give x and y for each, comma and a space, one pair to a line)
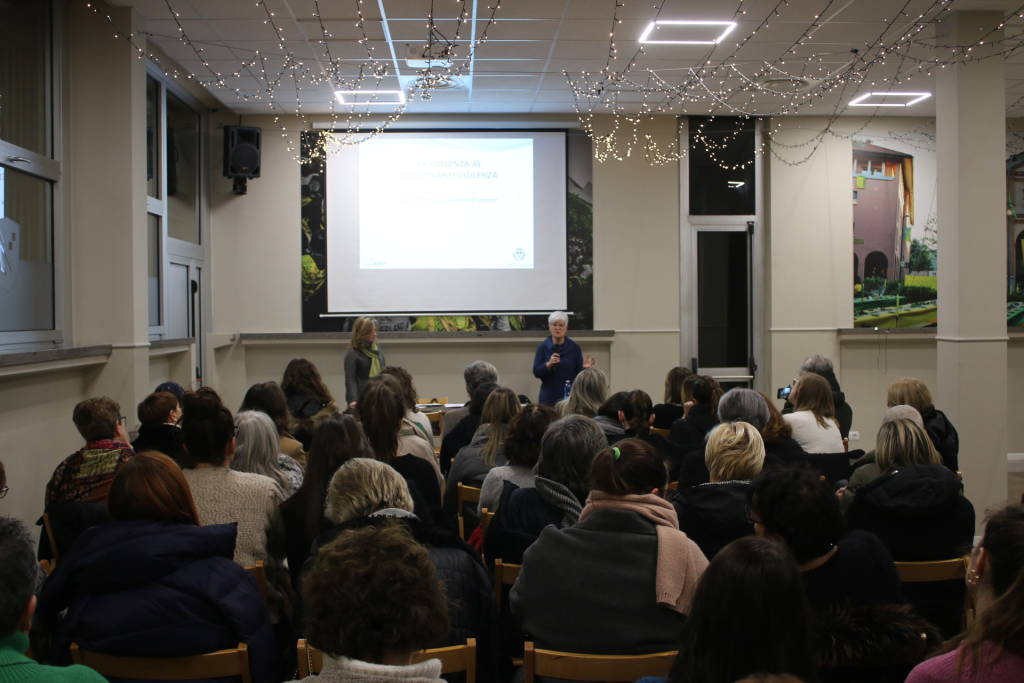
1015, 223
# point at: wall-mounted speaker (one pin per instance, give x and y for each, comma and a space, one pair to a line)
241, 155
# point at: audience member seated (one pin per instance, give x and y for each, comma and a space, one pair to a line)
367, 493
221, 494
158, 425
268, 398
688, 432
308, 398
779, 445
675, 398
821, 366
715, 513
866, 469
476, 373
374, 601
749, 616
337, 439
256, 451
18, 578
152, 582
636, 416
992, 648
916, 508
77, 491
607, 417
462, 433
522, 450
559, 491
913, 392
415, 422
381, 409
622, 578
813, 419
487, 449
589, 391
171, 388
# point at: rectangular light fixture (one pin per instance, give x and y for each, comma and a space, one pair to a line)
735, 183
912, 99
727, 28
369, 97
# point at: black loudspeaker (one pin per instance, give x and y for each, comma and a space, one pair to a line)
241, 155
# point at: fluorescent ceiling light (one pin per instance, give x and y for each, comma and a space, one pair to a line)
735, 183
913, 98
727, 28
370, 97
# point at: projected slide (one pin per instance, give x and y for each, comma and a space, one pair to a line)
446, 203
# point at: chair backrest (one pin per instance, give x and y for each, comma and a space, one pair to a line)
54, 550
580, 667
454, 659
434, 400
220, 664
660, 431
485, 519
504, 575
834, 466
259, 573
937, 570
465, 494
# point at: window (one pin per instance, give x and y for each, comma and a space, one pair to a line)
28, 173
717, 145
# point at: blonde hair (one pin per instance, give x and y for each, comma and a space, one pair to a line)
909, 391
814, 393
589, 391
500, 407
901, 443
363, 486
734, 451
360, 328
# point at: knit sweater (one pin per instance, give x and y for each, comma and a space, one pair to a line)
1007, 668
346, 670
223, 495
15, 667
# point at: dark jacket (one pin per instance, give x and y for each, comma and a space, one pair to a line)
307, 412
522, 515
665, 414
944, 436
860, 573
590, 588
357, 372
786, 452
688, 432
612, 428
147, 588
455, 440
844, 412
714, 515
552, 381
467, 583
423, 487
165, 438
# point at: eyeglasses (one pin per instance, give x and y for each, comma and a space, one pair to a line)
3, 491
122, 419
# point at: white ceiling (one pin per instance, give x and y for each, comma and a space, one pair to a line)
520, 67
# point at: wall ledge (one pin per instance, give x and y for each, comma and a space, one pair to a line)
1014, 335
28, 362
400, 338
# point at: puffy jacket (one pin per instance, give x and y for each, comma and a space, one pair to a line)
944, 436
688, 432
165, 438
146, 588
714, 515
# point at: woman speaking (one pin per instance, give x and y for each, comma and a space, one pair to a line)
558, 360
364, 360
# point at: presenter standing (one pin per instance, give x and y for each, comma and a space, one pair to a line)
364, 360
558, 360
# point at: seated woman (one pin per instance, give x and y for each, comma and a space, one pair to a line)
625, 557
558, 494
335, 442
814, 415
367, 493
268, 398
715, 513
607, 417
374, 601
381, 409
415, 422
221, 494
153, 583
522, 450
751, 591
589, 390
914, 392
688, 432
676, 397
487, 449
308, 398
866, 468
779, 445
256, 444
462, 433
991, 650
158, 425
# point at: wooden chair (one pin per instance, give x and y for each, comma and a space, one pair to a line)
259, 573
504, 575
672, 487
485, 519
937, 570
465, 494
47, 566
660, 431
436, 423
455, 658
436, 400
220, 664
580, 667
834, 466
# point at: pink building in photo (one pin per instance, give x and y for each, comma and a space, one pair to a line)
883, 211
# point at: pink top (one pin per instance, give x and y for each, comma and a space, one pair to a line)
1008, 668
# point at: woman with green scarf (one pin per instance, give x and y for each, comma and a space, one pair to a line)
364, 360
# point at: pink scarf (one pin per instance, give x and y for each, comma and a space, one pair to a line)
680, 561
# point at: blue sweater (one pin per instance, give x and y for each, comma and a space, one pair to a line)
552, 382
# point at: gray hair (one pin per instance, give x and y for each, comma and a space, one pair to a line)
817, 364
17, 572
566, 450
558, 315
479, 372
363, 486
258, 446
743, 404
903, 412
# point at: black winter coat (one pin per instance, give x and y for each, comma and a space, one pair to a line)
714, 515
522, 515
944, 437
688, 433
165, 438
456, 439
147, 588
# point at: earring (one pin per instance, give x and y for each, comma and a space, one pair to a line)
973, 577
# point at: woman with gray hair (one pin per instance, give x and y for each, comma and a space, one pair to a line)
559, 492
257, 451
557, 361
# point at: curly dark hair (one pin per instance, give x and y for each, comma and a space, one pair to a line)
522, 443
206, 428
405, 379
374, 592
267, 397
798, 508
302, 377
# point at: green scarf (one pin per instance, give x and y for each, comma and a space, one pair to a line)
373, 353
